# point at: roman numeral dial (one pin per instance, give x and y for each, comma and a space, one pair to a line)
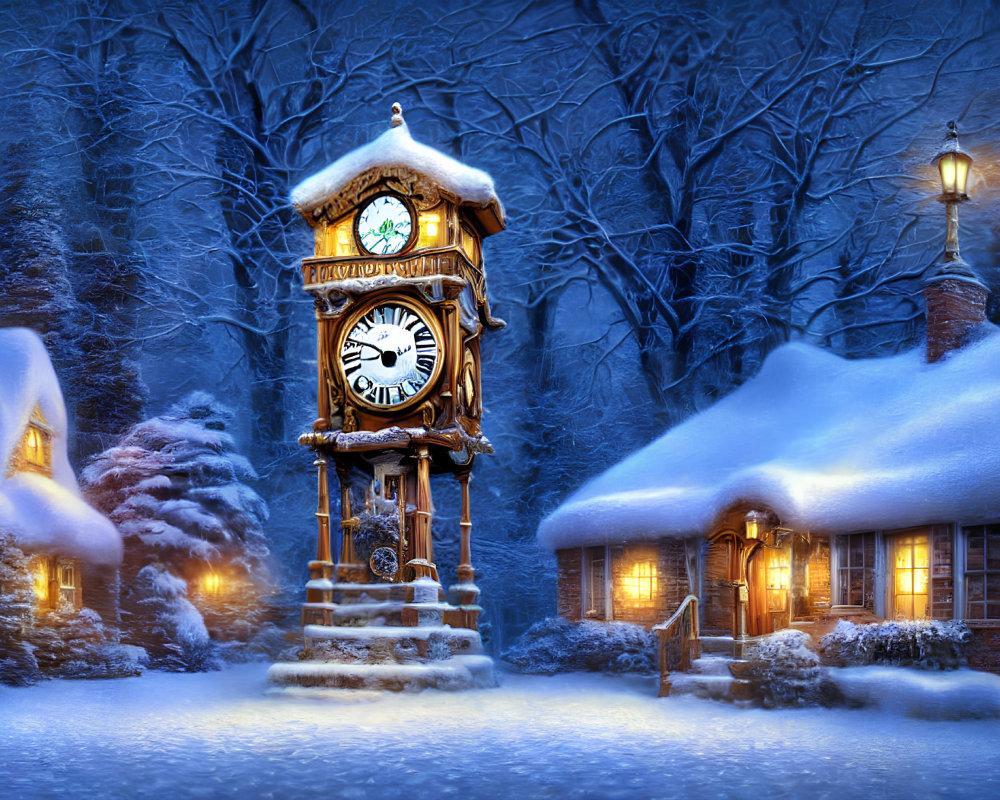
390, 355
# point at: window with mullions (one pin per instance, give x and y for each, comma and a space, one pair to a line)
856, 569
595, 599
982, 572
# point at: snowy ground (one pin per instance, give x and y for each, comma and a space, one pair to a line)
577, 736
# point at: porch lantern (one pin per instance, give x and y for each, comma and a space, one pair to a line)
757, 525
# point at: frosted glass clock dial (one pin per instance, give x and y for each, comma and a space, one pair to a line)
385, 226
390, 355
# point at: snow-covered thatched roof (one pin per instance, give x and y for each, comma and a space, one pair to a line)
44, 514
827, 443
396, 148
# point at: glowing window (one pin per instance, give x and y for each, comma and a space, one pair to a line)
639, 584
40, 580
35, 449
911, 569
429, 225
778, 569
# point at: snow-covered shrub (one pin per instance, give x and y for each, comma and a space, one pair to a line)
925, 644
557, 645
76, 644
177, 490
783, 671
174, 631
18, 666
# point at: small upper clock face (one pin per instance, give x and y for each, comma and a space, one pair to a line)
385, 226
389, 356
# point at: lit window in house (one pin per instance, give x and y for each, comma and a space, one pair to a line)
778, 569
35, 451
639, 583
982, 572
911, 568
40, 580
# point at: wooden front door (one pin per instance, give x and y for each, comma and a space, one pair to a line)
768, 578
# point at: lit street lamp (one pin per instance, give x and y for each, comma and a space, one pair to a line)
954, 294
953, 163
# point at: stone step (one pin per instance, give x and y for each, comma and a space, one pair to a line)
712, 665
366, 593
388, 644
716, 645
453, 674
712, 687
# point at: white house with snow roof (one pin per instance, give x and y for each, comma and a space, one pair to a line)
74, 549
823, 488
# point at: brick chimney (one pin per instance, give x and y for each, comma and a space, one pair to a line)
956, 306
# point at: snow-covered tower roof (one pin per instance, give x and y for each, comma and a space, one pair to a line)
45, 514
829, 444
395, 153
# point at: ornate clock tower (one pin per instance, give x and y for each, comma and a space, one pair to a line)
400, 295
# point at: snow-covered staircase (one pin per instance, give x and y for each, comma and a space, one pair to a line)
711, 675
388, 636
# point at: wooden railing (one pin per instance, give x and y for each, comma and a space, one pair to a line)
678, 639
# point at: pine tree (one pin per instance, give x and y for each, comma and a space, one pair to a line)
18, 666
193, 530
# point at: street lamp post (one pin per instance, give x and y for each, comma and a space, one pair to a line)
953, 164
955, 296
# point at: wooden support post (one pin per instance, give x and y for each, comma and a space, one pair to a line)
423, 546
348, 568
322, 422
323, 512
466, 574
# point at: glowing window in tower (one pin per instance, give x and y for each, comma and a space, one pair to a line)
639, 583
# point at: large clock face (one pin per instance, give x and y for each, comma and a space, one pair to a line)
390, 355
385, 226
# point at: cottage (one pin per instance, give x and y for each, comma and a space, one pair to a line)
74, 550
823, 488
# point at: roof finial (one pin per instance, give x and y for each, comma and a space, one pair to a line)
397, 115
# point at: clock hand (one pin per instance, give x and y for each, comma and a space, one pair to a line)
366, 344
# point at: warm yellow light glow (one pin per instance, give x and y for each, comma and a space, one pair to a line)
40, 580
777, 577
639, 584
211, 583
33, 447
954, 169
756, 524
911, 560
429, 223
343, 243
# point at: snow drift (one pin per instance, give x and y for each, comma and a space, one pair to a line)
828, 443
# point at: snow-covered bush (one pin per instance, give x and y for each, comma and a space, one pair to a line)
18, 666
557, 645
177, 490
76, 644
783, 671
925, 644
174, 632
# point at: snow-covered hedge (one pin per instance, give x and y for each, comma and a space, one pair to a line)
557, 645
925, 644
783, 671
